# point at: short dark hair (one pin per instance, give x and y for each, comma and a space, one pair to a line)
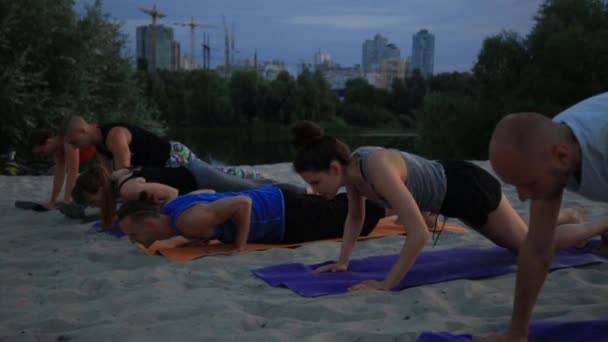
138, 210
40, 136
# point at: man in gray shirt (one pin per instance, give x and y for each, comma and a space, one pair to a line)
541, 157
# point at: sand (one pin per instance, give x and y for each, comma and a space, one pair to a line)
60, 281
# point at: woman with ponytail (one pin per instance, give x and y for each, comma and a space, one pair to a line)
410, 185
98, 188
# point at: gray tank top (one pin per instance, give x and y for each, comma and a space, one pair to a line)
426, 178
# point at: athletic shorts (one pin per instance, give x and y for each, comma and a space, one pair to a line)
472, 193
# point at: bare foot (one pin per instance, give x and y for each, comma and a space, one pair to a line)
603, 247
573, 215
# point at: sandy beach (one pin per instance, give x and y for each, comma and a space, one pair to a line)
61, 281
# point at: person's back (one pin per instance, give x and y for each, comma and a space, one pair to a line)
147, 149
426, 178
588, 121
267, 213
179, 178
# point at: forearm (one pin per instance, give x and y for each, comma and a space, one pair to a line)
413, 246
243, 222
352, 229
58, 180
72, 163
533, 265
69, 186
535, 257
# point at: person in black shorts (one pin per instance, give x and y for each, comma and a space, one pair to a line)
410, 185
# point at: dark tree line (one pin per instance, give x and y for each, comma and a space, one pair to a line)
70, 63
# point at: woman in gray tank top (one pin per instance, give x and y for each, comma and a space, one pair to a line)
410, 185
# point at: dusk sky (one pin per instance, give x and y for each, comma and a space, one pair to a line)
293, 30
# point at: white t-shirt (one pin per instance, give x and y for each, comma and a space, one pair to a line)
588, 120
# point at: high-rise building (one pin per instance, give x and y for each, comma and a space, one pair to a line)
175, 56
392, 68
423, 52
375, 51
321, 57
164, 46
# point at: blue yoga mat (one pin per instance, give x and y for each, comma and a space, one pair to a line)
431, 267
554, 331
116, 231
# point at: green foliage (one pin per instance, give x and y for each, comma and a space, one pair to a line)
54, 62
65, 63
560, 62
567, 54
451, 126
203, 97
499, 69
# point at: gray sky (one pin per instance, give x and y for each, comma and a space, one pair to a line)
292, 30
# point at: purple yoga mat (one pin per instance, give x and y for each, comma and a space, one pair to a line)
554, 331
116, 231
431, 267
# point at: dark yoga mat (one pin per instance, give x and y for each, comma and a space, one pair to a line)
431, 267
554, 331
116, 231
28, 205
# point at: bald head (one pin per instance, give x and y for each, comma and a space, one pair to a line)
73, 124
529, 135
534, 154
78, 133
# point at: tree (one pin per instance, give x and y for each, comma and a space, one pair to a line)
567, 52
283, 97
244, 94
499, 70
452, 127
455, 83
308, 97
64, 63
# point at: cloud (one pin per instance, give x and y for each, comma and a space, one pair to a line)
351, 22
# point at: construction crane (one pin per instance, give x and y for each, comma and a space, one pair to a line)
193, 25
154, 13
206, 51
226, 47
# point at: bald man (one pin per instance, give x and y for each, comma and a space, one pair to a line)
126, 145
541, 157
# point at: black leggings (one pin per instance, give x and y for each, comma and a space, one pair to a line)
312, 217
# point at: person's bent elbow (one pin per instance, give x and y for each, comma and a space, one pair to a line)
246, 201
418, 236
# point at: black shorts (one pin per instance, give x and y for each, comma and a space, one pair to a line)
472, 193
312, 217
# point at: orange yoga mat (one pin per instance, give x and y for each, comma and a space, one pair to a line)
183, 250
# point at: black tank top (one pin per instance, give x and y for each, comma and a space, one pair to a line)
147, 149
176, 177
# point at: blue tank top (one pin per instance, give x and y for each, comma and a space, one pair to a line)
267, 214
426, 179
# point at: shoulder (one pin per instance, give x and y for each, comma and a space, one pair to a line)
118, 133
383, 156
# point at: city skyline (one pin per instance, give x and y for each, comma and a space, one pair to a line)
294, 31
423, 52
